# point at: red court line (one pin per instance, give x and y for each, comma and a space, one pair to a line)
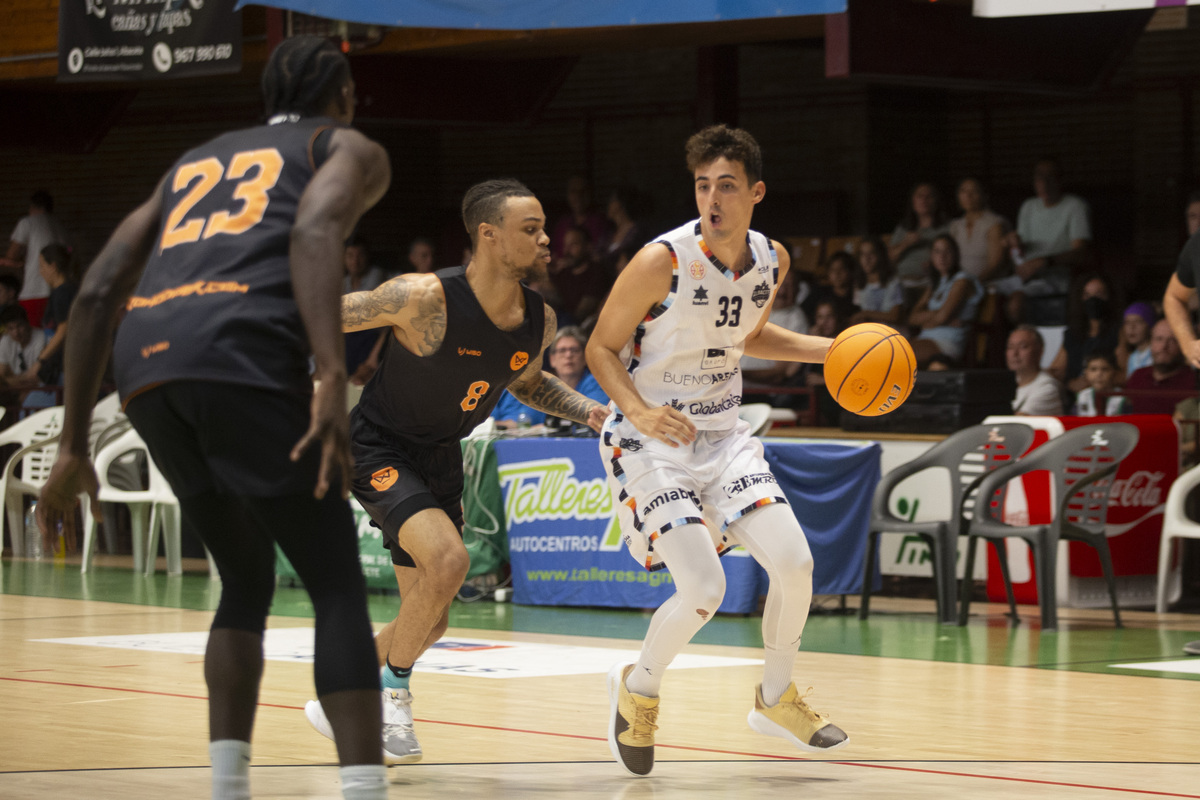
948, 773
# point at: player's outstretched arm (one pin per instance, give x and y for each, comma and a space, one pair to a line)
352, 179
413, 306
545, 392
641, 286
773, 343
107, 285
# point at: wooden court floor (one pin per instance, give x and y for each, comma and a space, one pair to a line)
118, 709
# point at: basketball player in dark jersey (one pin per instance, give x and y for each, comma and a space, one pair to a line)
231, 275
460, 336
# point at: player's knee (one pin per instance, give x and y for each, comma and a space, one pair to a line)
706, 598
447, 570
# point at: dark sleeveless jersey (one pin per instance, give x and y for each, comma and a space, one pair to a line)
215, 301
439, 399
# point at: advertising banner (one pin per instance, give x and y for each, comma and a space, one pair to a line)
127, 40
1022, 8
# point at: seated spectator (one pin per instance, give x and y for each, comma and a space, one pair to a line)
579, 279
979, 233
878, 294
1092, 324
20, 355
1133, 348
1167, 373
624, 208
949, 305
840, 275
1052, 239
580, 214
786, 314
826, 322
361, 276
913, 238
56, 270
33, 232
1038, 393
1100, 370
420, 255
567, 362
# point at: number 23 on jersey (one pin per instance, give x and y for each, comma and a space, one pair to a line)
263, 168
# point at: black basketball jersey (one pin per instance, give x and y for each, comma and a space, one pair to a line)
439, 399
215, 301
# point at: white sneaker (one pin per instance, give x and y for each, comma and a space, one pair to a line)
400, 744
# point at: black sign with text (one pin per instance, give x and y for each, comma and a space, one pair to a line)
114, 40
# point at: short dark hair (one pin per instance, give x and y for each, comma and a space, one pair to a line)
484, 202
721, 141
303, 75
13, 313
42, 199
1107, 356
59, 256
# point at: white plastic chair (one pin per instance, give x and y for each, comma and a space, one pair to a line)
1176, 525
37, 436
758, 415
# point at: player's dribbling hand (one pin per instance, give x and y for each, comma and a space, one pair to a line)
70, 477
331, 425
666, 425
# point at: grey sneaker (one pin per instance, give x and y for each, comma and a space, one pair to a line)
400, 745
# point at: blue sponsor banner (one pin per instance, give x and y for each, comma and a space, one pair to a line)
565, 544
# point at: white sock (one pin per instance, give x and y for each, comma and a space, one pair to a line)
364, 782
230, 769
777, 673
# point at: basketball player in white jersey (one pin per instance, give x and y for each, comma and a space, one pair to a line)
684, 470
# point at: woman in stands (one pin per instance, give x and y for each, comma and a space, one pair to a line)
877, 294
948, 307
1093, 323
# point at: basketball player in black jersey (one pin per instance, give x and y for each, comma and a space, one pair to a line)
234, 265
460, 336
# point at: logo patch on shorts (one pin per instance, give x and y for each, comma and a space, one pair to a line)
519, 359
382, 480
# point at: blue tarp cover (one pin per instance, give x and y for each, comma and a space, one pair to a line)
536, 14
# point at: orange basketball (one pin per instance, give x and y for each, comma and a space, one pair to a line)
870, 369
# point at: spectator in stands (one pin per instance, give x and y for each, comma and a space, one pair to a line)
826, 322
55, 265
1192, 213
568, 364
913, 239
877, 294
1052, 239
979, 233
1168, 372
624, 208
1092, 324
579, 279
20, 355
580, 214
1133, 349
420, 255
1038, 394
841, 274
786, 314
948, 307
33, 232
361, 276
1100, 371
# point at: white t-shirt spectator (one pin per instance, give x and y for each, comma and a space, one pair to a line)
1041, 397
874, 297
35, 232
973, 244
20, 359
1049, 230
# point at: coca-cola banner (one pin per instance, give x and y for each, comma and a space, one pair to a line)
122, 40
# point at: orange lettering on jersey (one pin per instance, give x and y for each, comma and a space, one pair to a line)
519, 359
187, 290
151, 349
463, 351
383, 479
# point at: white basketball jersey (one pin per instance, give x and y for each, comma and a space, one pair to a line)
686, 351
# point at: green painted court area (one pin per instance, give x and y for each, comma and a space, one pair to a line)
1086, 641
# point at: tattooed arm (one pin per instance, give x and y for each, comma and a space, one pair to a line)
546, 392
414, 306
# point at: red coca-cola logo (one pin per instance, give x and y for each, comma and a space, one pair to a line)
1139, 490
